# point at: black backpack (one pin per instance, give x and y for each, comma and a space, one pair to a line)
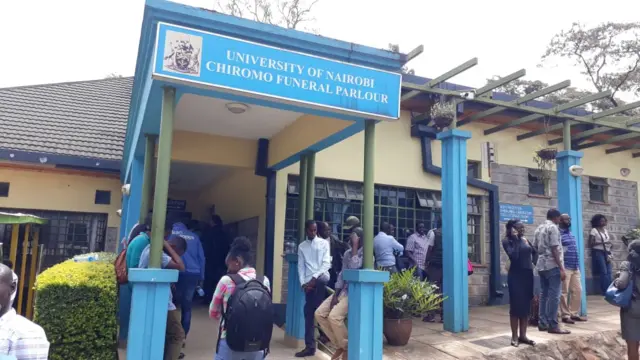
249, 316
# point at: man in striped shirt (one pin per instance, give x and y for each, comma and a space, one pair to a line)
572, 284
19, 337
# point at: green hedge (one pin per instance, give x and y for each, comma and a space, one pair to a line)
76, 304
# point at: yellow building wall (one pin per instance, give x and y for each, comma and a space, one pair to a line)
238, 195
42, 189
398, 162
213, 149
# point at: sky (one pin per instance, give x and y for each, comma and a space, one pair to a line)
72, 40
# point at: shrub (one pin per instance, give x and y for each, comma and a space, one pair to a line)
76, 304
405, 296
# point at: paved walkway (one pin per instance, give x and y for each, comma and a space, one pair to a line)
489, 332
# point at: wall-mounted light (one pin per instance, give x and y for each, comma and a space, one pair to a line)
126, 189
576, 170
43, 159
625, 172
237, 108
119, 212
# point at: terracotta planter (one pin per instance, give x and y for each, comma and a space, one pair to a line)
397, 331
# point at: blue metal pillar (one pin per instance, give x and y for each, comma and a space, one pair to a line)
294, 325
130, 216
455, 280
149, 312
365, 313
123, 222
570, 202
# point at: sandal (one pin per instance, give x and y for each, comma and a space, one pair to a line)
514, 342
527, 341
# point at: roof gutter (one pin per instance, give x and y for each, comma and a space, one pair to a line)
426, 134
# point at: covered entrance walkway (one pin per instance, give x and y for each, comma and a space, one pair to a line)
218, 97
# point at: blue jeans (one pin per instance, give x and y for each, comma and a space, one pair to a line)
602, 267
186, 288
225, 353
550, 298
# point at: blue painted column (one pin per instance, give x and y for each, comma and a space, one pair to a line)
294, 325
455, 280
570, 202
149, 308
130, 216
365, 313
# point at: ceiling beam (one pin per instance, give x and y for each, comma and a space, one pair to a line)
524, 108
544, 130
440, 79
556, 110
522, 100
610, 140
582, 135
622, 148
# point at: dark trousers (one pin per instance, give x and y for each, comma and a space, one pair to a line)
602, 266
313, 299
186, 288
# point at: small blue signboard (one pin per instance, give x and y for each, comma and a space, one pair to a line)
522, 212
239, 66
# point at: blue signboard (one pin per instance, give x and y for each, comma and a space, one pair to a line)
247, 68
522, 212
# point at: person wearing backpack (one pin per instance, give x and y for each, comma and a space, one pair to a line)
630, 314
242, 303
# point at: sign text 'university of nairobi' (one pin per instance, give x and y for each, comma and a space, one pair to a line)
226, 63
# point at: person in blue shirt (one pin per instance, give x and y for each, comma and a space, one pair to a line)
385, 247
572, 284
192, 276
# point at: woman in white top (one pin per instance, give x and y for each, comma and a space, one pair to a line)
600, 243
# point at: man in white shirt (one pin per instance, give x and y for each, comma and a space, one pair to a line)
314, 262
19, 337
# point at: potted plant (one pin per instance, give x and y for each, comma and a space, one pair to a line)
545, 158
631, 235
442, 113
404, 297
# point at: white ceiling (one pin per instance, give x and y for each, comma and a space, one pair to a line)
209, 115
193, 177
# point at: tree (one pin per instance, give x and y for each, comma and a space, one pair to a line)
405, 69
609, 55
113, 75
286, 13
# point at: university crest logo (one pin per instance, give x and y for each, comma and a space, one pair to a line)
182, 53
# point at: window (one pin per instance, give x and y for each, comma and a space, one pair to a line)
4, 189
537, 183
474, 228
473, 170
598, 189
402, 207
103, 197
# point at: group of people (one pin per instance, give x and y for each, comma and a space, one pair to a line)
322, 258
183, 251
554, 253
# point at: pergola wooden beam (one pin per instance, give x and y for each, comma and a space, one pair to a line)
622, 148
582, 135
440, 79
556, 110
610, 140
522, 100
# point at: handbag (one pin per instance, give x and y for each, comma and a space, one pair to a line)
609, 257
621, 298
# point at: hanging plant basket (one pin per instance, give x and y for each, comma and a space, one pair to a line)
442, 113
548, 154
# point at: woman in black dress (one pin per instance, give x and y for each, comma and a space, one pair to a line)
520, 280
